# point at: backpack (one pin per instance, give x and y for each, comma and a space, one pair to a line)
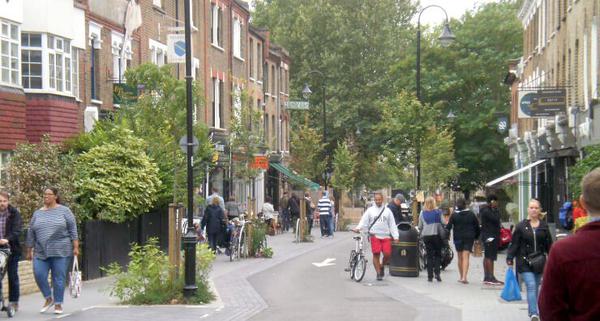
565, 216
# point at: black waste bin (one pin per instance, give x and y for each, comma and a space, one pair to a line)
405, 253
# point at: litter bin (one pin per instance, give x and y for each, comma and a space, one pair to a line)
405, 253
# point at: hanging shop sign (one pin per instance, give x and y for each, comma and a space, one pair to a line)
540, 103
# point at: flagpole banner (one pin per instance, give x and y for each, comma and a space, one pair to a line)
176, 48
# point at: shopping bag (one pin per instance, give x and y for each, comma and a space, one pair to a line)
75, 279
511, 291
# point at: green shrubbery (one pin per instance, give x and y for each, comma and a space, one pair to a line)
146, 280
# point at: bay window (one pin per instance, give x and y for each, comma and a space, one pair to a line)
49, 62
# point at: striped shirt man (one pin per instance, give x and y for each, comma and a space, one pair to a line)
52, 232
324, 206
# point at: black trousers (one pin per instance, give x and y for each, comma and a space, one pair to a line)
433, 246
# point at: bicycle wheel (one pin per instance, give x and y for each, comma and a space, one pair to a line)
422, 256
360, 267
242, 249
233, 249
351, 263
298, 231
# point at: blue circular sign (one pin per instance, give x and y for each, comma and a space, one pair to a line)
180, 48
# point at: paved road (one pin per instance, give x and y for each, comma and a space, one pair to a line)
298, 290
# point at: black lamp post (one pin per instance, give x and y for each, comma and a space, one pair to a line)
306, 92
446, 39
189, 239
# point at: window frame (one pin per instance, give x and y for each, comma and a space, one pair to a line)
10, 36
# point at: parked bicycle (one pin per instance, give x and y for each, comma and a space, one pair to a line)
357, 263
237, 245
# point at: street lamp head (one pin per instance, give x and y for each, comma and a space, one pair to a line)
447, 36
451, 115
306, 91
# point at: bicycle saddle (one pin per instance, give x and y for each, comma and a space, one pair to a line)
357, 237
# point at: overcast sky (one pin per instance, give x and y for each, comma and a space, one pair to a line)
455, 9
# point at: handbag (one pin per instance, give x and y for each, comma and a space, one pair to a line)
75, 279
537, 259
441, 230
511, 291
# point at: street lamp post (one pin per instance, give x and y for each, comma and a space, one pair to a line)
446, 39
189, 239
306, 92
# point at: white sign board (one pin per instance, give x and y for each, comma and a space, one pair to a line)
176, 48
297, 105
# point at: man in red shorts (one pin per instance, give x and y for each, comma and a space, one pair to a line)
378, 221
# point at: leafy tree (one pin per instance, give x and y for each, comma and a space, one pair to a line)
353, 43
438, 165
466, 78
116, 181
590, 162
306, 149
344, 164
158, 117
246, 138
35, 167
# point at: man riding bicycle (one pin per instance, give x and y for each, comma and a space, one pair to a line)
379, 223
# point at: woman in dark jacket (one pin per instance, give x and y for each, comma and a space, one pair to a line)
466, 231
213, 220
531, 235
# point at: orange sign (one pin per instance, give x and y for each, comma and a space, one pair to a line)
260, 162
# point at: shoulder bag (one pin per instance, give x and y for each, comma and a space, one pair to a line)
375, 220
441, 230
75, 279
537, 259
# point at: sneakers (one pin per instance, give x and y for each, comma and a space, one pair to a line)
379, 277
497, 282
58, 309
382, 271
47, 305
534, 317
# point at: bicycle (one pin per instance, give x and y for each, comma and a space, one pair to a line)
237, 246
357, 263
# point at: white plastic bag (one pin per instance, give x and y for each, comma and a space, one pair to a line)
75, 280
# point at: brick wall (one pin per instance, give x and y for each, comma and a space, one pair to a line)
57, 116
12, 117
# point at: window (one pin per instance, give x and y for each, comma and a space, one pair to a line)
217, 103
216, 25
251, 57
237, 99
31, 60
273, 81
266, 124
59, 63
121, 57
9, 53
237, 38
94, 67
158, 52
274, 130
259, 71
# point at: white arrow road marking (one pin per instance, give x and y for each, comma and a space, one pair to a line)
327, 262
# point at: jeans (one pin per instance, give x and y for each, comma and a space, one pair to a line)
310, 224
58, 266
433, 246
331, 224
324, 222
12, 267
532, 282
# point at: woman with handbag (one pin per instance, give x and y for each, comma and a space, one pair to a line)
531, 242
430, 225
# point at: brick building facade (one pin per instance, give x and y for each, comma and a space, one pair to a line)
63, 69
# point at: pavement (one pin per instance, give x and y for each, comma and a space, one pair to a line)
261, 289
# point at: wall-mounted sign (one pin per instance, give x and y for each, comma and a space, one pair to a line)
260, 162
176, 48
542, 102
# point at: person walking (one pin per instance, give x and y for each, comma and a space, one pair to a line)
570, 285
51, 241
324, 206
11, 226
430, 222
310, 209
378, 221
332, 221
396, 207
531, 241
214, 221
466, 230
490, 237
294, 209
285, 212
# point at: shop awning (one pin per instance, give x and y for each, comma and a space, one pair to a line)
513, 173
295, 177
